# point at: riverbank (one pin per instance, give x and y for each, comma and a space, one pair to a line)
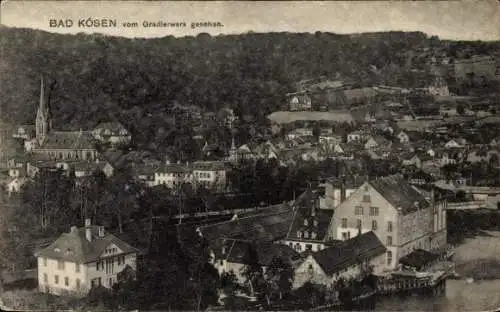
479, 257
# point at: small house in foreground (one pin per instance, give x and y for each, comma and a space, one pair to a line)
82, 259
352, 258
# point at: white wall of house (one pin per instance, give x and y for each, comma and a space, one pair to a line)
169, 179
52, 277
223, 265
346, 218
207, 178
92, 273
87, 272
301, 246
332, 196
310, 271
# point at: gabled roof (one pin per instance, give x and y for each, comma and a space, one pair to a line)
268, 226
418, 258
30, 129
349, 252
68, 140
74, 246
209, 166
302, 98
380, 140
238, 252
351, 181
114, 127
399, 193
143, 169
89, 166
322, 217
172, 168
407, 155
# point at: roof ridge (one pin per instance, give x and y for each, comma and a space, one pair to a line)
248, 217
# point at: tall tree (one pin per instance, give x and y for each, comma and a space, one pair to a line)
279, 275
252, 271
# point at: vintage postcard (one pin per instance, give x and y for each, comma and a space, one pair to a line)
234, 155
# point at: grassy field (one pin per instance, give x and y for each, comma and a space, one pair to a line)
283, 117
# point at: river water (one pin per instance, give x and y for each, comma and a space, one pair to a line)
459, 296
477, 255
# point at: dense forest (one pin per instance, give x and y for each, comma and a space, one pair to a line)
134, 81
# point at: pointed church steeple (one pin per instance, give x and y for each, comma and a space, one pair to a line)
233, 144
232, 152
43, 122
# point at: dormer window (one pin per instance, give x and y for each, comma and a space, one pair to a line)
299, 234
313, 235
315, 222
57, 249
306, 234
306, 223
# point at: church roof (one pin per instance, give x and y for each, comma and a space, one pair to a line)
68, 140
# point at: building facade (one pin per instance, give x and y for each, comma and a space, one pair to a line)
112, 132
62, 145
82, 259
363, 254
402, 217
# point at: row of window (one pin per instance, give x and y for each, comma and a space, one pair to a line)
306, 234
109, 132
56, 280
61, 265
298, 247
98, 282
203, 175
108, 264
77, 155
163, 174
111, 250
359, 224
306, 222
359, 211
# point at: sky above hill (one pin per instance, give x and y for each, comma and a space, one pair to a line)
457, 20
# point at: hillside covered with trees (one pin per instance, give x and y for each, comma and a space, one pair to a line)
135, 80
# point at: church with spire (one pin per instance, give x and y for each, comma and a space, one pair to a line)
58, 145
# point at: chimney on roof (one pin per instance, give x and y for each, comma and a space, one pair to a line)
88, 230
101, 231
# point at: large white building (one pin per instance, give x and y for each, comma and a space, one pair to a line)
401, 216
209, 174
82, 259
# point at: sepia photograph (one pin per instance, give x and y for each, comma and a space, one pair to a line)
250, 155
